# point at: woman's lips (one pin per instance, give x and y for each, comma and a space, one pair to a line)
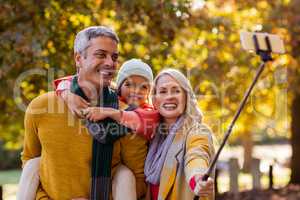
169, 106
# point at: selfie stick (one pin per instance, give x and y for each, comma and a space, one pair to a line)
265, 56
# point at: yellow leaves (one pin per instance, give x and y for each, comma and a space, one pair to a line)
286, 2
47, 66
24, 84
141, 50
264, 108
18, 100
77, 19
283, 33
262, 5
45, 53
127, 47
225, 56
64, 22
51, 47
98, 2
205, 84
112, 13
284, 59
41, 91
47, 14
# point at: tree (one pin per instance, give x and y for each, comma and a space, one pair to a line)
294, 28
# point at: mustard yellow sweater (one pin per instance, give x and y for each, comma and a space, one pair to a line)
65, 147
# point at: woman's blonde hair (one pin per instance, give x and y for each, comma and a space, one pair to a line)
192, 110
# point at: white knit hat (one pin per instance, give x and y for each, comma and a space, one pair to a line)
134, 67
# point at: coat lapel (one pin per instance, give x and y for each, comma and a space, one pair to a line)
169, 171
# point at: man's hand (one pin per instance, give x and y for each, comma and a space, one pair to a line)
203, 188
74, 102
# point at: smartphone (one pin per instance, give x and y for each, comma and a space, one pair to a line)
276, 42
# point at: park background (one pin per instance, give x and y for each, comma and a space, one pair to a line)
200, 38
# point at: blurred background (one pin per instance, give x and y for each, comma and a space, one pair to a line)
200, 38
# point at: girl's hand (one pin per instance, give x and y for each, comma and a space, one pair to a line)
99, 113
203, 188
74, 102
96, 113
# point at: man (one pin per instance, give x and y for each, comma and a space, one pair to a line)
64, 145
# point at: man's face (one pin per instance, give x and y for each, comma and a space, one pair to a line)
97, 64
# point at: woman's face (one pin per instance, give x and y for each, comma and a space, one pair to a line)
169, 99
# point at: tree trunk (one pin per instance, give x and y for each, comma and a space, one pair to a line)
295, 140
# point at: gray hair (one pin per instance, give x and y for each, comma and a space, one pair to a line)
84, 36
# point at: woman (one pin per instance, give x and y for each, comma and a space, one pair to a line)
182, 148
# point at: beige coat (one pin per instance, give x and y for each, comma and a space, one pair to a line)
189, 154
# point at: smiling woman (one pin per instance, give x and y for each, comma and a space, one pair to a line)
182, 148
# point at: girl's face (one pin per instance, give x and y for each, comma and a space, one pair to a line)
135, 90
169, 98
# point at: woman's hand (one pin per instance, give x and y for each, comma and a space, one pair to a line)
203, 188
74, 102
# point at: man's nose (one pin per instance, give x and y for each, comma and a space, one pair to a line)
108, 61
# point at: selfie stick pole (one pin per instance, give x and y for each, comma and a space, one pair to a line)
265, 56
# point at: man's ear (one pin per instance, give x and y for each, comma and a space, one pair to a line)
77, 58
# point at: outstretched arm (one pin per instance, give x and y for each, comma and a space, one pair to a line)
143, 122
199, 151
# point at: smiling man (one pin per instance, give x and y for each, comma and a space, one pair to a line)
59, 138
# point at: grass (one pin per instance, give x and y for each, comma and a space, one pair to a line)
9, 180
9, 177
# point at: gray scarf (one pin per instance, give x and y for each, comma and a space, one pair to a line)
158, 152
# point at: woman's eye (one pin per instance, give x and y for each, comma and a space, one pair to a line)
162, 92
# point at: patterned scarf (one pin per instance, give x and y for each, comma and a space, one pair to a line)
104, 134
